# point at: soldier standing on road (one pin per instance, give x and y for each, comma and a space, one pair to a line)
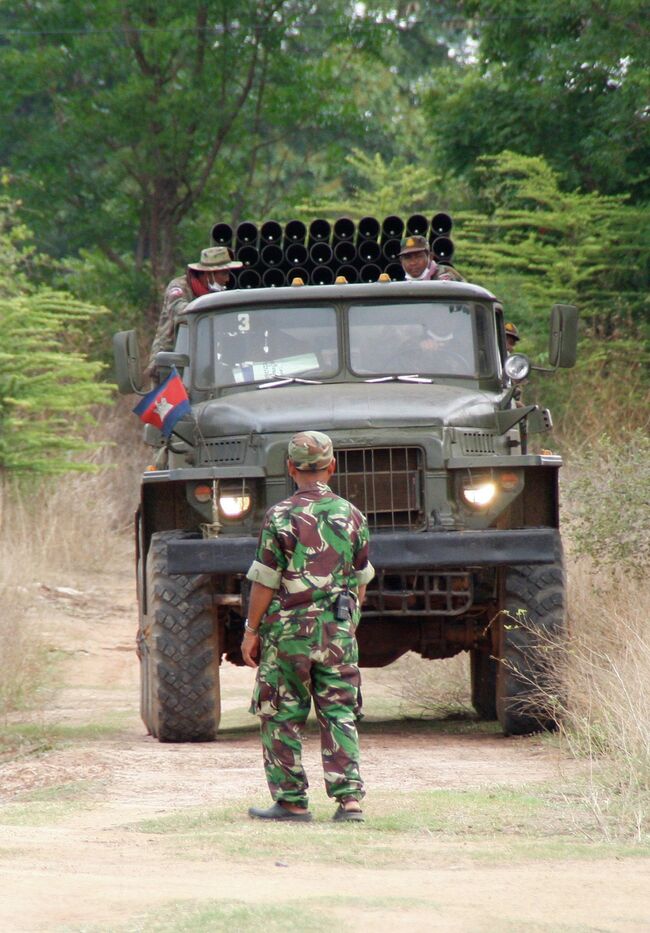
210, 274
418, 265
309, 580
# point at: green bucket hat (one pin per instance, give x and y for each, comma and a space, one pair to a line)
310, 450
215, 258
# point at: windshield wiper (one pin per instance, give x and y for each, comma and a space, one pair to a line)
412, 378
288, 381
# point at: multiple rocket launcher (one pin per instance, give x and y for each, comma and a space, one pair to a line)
319, 253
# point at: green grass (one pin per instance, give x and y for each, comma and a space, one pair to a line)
47, 805
416, 829
295, 915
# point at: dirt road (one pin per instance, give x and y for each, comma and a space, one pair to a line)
110, 830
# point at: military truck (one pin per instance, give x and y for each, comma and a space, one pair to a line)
413, 383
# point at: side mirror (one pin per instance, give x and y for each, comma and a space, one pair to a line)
127, 363
563, 344
165, 359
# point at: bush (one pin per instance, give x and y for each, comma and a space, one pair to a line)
605, 495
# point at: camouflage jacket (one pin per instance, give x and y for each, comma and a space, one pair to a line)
436, 272
178, 295
312, 546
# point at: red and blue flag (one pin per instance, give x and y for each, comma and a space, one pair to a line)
165, 404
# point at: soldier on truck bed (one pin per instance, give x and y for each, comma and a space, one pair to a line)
210, 274
418, 265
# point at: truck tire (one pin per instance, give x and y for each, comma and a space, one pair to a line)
531, 643
180, 694
483, 673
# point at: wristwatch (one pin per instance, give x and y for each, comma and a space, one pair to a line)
249, 628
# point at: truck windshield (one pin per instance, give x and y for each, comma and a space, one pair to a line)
423, 337
260, 344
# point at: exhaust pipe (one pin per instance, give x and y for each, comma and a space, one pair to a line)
395, 271
321, 253
345, 251
442, 248
246, 233
392, 228
369, 251
391, 250
369, 273
367, 229
343, 229
319, 229
441, 225
271, 232
222, 234
296, 254
322, 275
249, 255
294, 232
349, 272
273, 278
272, 255
248, 278
417, 225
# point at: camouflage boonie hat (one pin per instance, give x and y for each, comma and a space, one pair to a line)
310, 450
413, 244
215, 258
511, 331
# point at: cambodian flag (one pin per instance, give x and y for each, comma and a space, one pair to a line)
165, 404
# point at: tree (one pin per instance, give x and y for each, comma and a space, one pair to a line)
564, 80
48, 389
122, 131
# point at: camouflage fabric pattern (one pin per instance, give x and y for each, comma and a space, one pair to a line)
312, 546
309, 654
178, 294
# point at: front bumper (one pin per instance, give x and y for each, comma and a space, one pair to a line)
401, 550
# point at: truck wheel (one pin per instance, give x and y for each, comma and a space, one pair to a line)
180, 665
532, 640
483, 673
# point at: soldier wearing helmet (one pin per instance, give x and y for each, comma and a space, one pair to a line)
309, 579
512, 337
210, 274
418, 265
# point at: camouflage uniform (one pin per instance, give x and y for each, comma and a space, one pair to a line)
178, 295
312, 547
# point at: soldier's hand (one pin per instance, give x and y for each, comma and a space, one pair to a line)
250, 649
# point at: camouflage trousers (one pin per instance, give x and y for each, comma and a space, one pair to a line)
304, 656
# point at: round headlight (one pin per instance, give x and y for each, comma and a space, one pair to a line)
234, 506
480, 495
517, 367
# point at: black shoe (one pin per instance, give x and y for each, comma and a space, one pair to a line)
278, 812
341, 815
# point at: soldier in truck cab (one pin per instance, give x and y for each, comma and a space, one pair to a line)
210, 274
419, 266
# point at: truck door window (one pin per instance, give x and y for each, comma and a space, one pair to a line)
266, 343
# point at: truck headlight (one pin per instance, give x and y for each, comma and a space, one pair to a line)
234, 502
517, 367
479, 494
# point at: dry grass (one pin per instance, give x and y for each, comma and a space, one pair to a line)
57, 526
431, 688
607, 718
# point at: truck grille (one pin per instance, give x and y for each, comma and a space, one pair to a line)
384, 482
